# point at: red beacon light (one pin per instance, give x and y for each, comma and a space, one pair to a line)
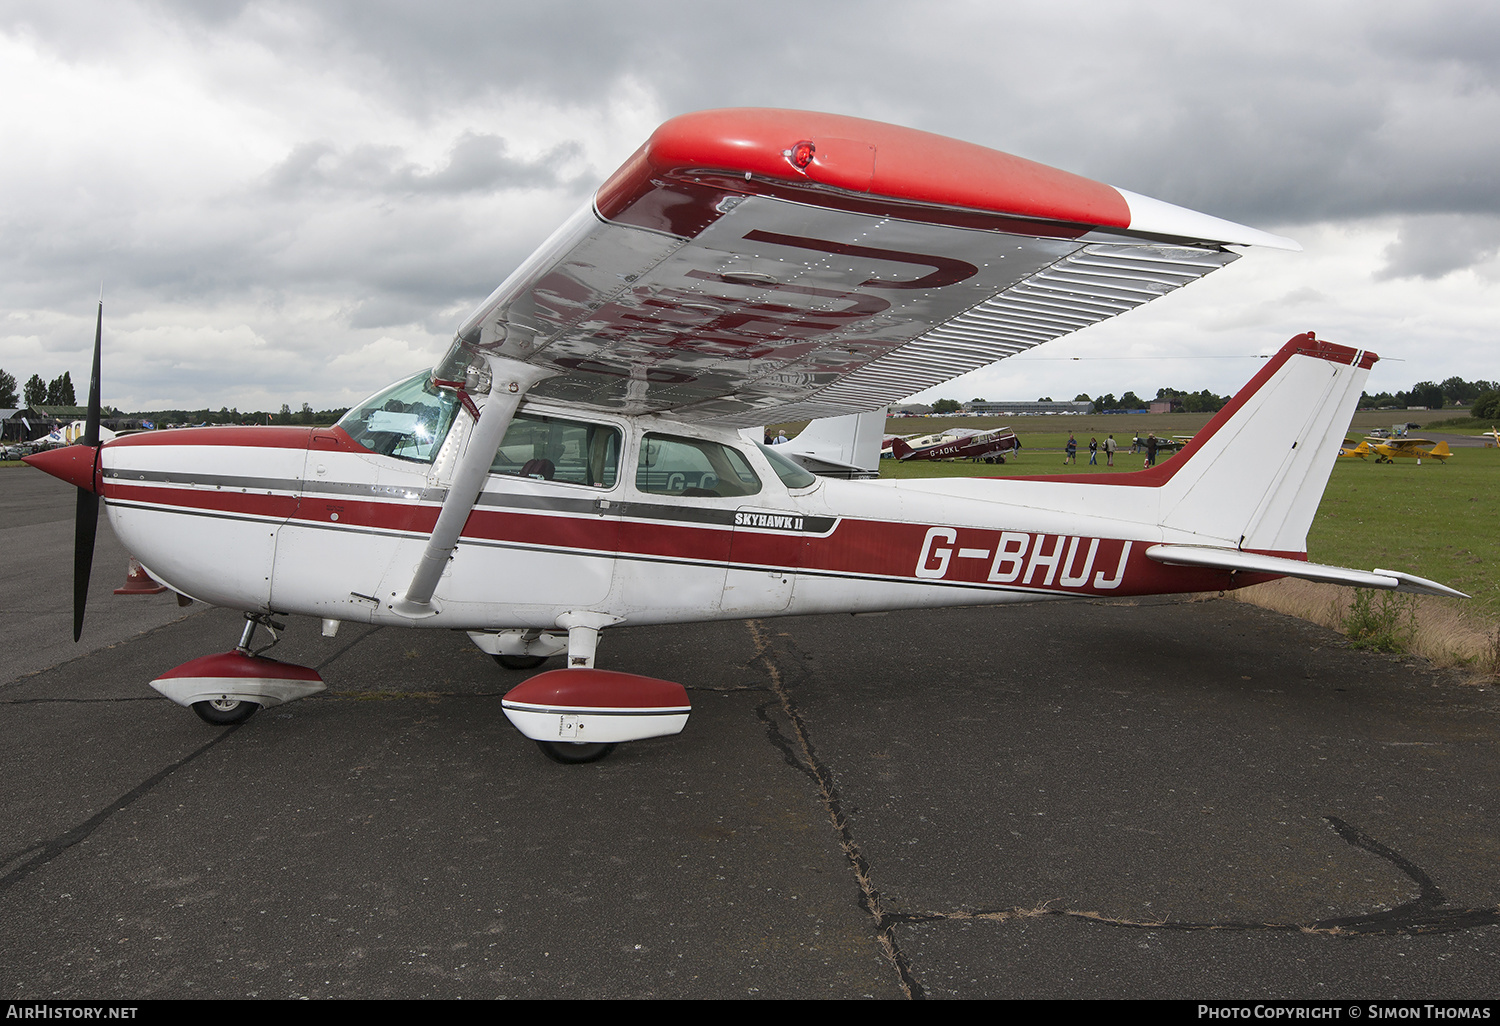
801, 154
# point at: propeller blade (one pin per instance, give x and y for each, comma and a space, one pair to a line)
85, 527
91, 426
86, 518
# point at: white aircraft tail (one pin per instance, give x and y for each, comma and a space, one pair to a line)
1254, 476
1242, 494
846, 446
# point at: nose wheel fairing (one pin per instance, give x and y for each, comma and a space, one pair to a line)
230, 677
589, 706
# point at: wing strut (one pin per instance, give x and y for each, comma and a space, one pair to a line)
509, 382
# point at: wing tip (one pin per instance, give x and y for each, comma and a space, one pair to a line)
1159, 217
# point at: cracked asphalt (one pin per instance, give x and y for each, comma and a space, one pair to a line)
1171, 799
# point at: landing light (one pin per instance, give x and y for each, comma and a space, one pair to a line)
801, 154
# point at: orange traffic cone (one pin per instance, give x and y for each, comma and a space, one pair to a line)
138, 582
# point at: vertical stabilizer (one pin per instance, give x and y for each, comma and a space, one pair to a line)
1254, 476
840, 446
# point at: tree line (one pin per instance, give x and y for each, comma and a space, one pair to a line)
224, 415
1189, 402
57, 392
1481, 397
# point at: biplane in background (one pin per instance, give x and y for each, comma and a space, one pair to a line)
1389, 450
959, 444
578, 458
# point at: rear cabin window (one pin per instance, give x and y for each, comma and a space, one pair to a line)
554, 449
672, 465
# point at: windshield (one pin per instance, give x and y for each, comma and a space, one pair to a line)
791, 475
409, 420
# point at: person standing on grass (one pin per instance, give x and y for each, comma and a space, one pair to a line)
1109, 451
1151, 445
1093, 452
1072, 450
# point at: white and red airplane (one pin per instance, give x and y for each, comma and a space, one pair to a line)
577, 460
990, 446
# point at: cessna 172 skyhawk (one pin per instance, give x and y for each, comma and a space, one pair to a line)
577, 460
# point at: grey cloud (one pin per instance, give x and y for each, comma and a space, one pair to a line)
476, 163
1281, 114
1432, 247
1274, 115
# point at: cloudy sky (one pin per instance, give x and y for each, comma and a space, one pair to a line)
291, 202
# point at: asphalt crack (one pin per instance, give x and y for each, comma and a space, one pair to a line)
1428, 913
51, 849
801, 753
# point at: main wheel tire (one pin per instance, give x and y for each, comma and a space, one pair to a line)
575, 752
521, 662
225, 712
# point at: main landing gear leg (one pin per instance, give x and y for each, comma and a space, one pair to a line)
583, 641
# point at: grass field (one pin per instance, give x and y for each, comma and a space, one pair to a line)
1437, 520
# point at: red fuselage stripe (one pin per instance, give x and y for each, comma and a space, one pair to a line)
974, 557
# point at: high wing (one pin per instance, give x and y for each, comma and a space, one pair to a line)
752, 266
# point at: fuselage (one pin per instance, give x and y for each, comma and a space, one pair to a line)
641, 518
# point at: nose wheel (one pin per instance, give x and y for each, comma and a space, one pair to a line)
575, 752
225, 712
520, 662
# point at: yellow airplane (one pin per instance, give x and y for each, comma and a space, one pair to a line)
1494, 438
1388, 450
1349, 450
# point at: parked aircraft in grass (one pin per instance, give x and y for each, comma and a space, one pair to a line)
960, 444
576, 461
1389, 450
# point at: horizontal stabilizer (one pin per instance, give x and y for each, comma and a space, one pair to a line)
1256, 563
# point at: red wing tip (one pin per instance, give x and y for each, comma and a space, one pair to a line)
870, 158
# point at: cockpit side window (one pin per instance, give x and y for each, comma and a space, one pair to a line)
555, 449
409, 420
